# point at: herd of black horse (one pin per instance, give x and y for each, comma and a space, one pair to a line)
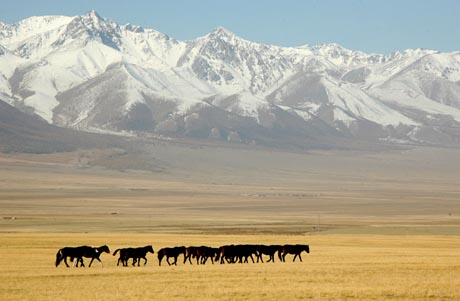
223, 254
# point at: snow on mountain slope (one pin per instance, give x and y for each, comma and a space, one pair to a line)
430, 85
350, 103
243, 104
233, 65
353, 100
8, 63
37, 84
34, 27
88, 72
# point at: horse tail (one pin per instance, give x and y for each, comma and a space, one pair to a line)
160, 256
58, 257
116, 251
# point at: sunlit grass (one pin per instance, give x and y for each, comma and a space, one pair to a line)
338, 267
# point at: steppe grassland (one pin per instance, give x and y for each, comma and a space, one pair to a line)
338, 267
222, 191
355, 195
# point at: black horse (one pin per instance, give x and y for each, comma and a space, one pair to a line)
227, 253
270, 251
191, 252
204, 253
79, 253
123, 258
171, 252
295, 250
236, 253
135, 253
246, 251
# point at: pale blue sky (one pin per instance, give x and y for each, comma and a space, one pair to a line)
367, 25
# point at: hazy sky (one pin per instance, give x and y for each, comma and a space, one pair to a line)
368, 25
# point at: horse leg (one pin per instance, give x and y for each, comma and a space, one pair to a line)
97, 258
280, 256
300, 257
295, 256
145, 258
91, 262
167, 260
175, 260
65, 261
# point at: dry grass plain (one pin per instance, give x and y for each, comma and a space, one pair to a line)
339, 267
380, 225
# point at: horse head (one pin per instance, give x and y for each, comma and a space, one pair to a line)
103, 249
149, 249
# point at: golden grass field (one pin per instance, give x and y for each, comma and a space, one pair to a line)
381, 226
339, 267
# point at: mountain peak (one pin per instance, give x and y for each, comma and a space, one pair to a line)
133, 28
93, 21
61, 68
331, 47
221, 32
93, 15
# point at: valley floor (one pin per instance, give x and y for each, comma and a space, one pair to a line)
380, 225
212, 190
358, 267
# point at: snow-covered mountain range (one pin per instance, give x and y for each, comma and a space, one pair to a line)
89, 73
